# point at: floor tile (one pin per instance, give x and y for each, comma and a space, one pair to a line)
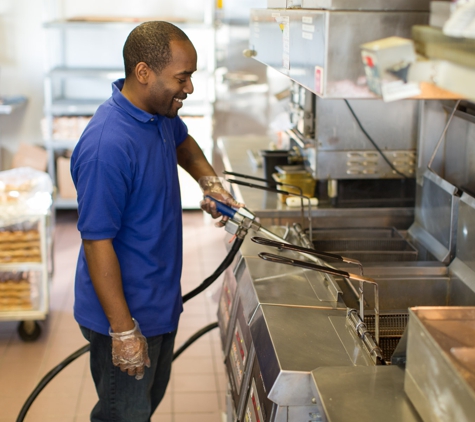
185, 365
186, 383
46, 407
163, 417
195, 402
198, 417
166, 405
200, 349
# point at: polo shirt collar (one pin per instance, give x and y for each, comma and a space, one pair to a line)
126, 105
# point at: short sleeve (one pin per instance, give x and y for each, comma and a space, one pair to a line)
103, 192
180, 130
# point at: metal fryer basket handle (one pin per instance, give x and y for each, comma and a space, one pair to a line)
290, 247
360, 279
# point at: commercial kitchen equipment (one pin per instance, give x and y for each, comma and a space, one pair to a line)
288, 333
285, 332
440, 371
289, 345
320, 48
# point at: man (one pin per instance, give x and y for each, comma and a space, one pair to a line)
127, 292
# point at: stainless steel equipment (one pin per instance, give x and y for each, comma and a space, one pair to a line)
345, 142
294, 344
280, 315
288, 324
440, 370
336, 148
369, 244
294, 322
436, 217
320, 49
370, 394
356, 321
366, 4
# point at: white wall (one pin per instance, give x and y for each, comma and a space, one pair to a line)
22, 51
21, 70
188, 9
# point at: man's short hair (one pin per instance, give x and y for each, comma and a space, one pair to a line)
150, 43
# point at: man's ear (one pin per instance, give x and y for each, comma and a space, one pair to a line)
142, 72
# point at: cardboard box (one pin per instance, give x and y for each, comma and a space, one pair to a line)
66, 187
30, 156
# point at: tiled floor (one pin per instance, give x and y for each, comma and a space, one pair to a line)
196, 391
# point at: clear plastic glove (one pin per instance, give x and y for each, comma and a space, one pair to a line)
213, 186
130, 351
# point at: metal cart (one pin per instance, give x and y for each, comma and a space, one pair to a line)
26, 263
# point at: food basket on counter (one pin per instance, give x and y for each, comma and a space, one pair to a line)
296, 180
26, 264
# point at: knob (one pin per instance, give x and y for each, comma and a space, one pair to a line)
249, 53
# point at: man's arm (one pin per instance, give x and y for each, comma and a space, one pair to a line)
191, 158
129, 347
106, 278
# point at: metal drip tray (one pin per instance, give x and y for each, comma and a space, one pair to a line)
366, 244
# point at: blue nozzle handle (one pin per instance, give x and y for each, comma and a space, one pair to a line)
223, 208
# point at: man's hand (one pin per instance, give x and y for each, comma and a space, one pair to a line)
130, 351
211, 186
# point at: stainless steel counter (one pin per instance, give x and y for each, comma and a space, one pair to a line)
271, 211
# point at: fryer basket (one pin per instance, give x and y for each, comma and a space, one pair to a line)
366, 244
391, 329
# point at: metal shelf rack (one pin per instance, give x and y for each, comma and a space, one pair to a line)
36, 275
68, 70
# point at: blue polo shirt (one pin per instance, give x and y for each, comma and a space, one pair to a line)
125, 171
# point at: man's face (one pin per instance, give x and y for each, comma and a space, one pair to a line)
173, 84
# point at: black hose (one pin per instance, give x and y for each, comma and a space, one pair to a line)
225, 264
47, 378
374, 143
193, 338
206, 283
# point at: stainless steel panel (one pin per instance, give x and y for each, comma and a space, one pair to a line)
460, 152
303, 413
393, 126
454, 160
466, 231
432, 121
370, 394
321, 50
358, 164
373, 244
436, 220
281, 414
403, 269
397, 294
462, 284
367, 4
440, 386
278, 284
271, 211
291, 342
